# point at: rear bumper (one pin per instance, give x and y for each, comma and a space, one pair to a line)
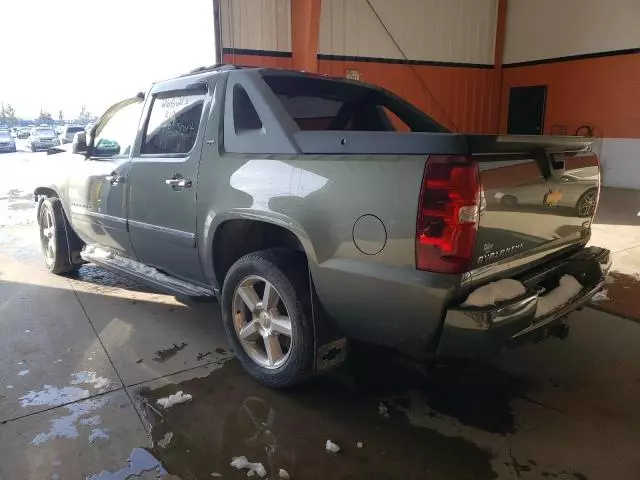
472, 332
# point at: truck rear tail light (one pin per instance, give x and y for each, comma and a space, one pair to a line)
448, 214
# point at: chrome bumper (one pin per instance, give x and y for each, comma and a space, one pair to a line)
477, 332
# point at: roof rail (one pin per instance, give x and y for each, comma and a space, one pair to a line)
212, 68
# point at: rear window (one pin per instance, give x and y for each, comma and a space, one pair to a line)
44, 132
316, 103
75, 129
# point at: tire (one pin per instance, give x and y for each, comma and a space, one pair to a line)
287, 274
586, 204
55, 234
509, 201
33, 149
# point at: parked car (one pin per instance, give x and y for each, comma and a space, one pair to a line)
42, 138
7, 143
23, 133
68, 131
576, 190
293, 200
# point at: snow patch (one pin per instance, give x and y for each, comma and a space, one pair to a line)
98, 433
175, 399
89, 377
165, 440
601, 296
494, 292
91, 421
331, 447
568, 288
254, 468
282, 473
22, 373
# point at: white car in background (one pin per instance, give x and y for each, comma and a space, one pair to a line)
7, 143
68, 132
42, 138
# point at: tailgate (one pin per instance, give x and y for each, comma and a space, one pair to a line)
539, 197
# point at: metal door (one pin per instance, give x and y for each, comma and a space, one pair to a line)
97, 185
526, 110
164, 178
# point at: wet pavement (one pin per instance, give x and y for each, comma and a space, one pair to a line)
85, 359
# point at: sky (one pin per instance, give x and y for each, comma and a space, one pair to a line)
62, 54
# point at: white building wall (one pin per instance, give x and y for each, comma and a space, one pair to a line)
460, 31
540, 29
256, 24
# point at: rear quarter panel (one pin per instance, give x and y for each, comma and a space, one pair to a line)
378, 297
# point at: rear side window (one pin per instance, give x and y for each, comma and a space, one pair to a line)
317, 103
173, 123
245, 117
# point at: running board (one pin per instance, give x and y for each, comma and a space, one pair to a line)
142, 273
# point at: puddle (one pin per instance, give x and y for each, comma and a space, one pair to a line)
166, 353
140, 461
70, 425
232, 416
80, 410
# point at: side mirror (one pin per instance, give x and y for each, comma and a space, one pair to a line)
79, 143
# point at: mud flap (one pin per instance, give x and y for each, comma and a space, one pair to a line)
330, 344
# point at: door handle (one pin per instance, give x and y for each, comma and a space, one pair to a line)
178, 182
114, 179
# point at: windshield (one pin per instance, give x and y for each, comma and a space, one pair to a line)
43, 132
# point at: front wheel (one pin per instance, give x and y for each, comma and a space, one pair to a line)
53, 237
267, 316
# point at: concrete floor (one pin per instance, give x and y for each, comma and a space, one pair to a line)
85, 358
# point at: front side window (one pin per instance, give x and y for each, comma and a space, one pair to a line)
119, 133
173, 123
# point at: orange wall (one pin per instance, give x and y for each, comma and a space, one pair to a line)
602, 92
465, 96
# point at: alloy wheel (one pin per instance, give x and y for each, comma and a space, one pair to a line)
47, 237
587, 204
261, 322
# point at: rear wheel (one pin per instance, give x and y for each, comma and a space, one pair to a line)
586, 204
53, 237
267, 316
509, 201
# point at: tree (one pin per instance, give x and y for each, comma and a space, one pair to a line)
85, 116
10, 114
3, 114
44, 117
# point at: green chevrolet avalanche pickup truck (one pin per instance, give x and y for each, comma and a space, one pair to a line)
319, 210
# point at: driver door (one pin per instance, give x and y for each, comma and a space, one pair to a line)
97, 187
